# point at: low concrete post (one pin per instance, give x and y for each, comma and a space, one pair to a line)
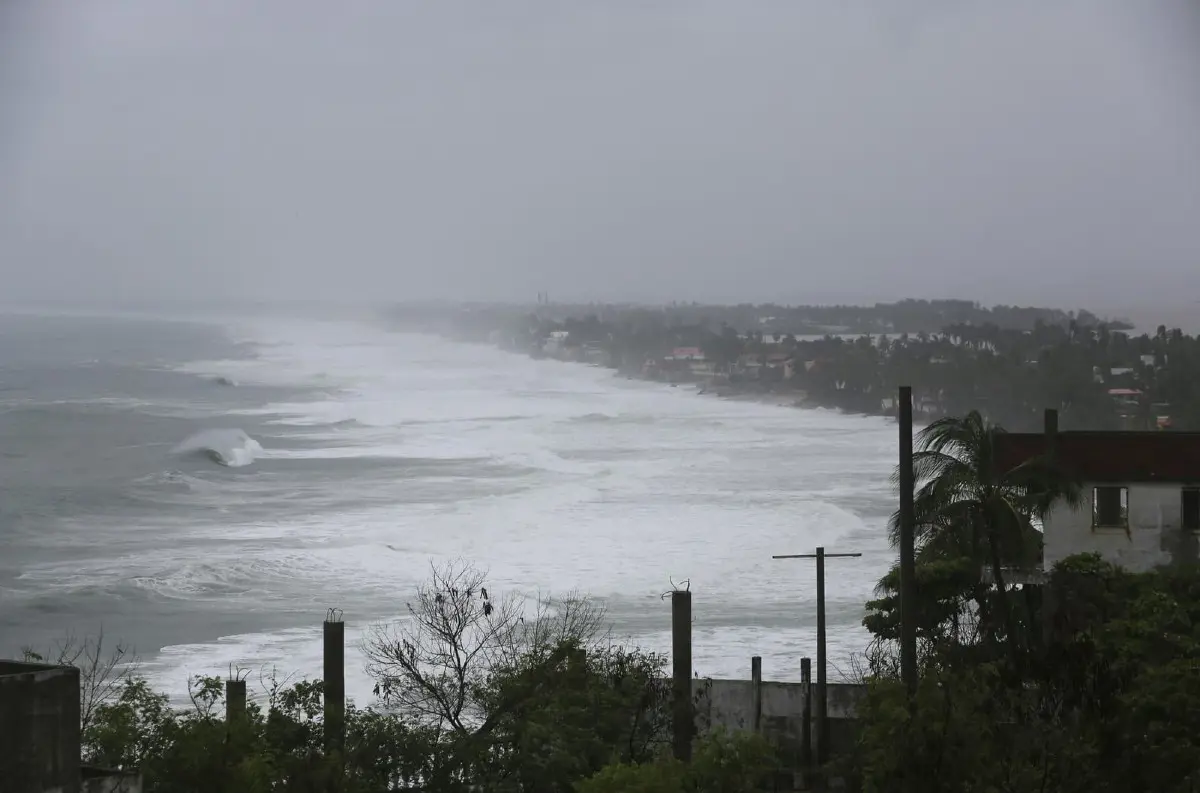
235, 700
683, 721
1049, 601
756, 687
806, 720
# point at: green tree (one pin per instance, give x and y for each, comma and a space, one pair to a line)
519, 699
1113, 705
605, 705
968, 505
723, 348
480, 693
722, 762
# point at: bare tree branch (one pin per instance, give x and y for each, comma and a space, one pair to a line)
103, 669
435, 663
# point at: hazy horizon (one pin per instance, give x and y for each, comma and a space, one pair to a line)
1144, 319
1036, 153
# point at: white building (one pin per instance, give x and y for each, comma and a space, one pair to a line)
1138, 525
1141, 494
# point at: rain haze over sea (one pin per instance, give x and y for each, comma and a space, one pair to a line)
206, 489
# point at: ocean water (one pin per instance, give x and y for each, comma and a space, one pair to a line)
206, 489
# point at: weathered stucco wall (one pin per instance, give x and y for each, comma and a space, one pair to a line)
39, 727
1155, 536
730, 703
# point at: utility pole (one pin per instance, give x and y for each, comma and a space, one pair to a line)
822, 693
908, 553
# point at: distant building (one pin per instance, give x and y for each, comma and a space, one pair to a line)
686, 354
1141, 493
555, 342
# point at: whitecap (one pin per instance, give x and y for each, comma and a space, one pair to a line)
232, 448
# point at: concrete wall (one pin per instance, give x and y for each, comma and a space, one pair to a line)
101, 780
39, 728
730, 704
1155, 535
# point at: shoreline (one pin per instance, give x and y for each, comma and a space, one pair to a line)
731, 393
797, 400
1007, 363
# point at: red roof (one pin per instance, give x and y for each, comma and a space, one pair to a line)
1161, 456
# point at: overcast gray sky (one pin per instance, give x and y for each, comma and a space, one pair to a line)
1043, 151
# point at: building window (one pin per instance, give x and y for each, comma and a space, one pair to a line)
1190, 511
1110, 507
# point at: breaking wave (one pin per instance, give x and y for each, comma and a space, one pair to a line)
231, 448
591, 418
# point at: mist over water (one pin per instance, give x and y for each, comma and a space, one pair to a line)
205, 483
381, 452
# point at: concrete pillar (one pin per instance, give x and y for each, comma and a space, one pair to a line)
235, 700
1049, 603
1050, 423
806, 754
683, 722
756, 687
335, 682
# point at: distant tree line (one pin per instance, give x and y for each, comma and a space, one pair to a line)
477, 320
1010, 363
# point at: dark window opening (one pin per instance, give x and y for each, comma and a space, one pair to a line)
1191, 508
1110, 506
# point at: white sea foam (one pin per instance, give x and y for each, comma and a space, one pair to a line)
620, 486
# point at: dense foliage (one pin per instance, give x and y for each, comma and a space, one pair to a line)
1090, 682
586, 729
1111, 704
475, 693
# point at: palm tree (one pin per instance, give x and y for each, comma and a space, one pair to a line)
968, 506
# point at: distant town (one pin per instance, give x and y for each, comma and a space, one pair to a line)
1008, 362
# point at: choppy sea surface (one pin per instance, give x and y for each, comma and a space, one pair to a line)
206, 489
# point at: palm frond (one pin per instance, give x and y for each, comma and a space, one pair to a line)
950, 433
965, 504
